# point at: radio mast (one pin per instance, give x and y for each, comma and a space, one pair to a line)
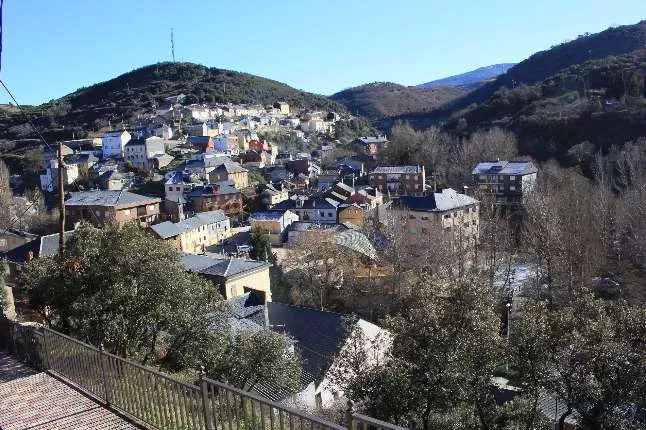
172, 43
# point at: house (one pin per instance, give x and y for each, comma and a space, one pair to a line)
234, 277
367, 196
318, 210
83, 162
114, 180
13, 238
51, 153
399, 180
354, 214
113, 143
319, 335
195, 234
372, 144
284, 108
274, 224
140, 152
164, 131
218, 196
201, 143
49, 177
436, 214
197, 129
271, 195
509, 182
230, 171
102, 207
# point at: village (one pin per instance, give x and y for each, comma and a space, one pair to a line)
285, 236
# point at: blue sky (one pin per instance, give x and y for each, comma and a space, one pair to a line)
51, 48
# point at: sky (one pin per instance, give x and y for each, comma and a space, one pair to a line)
52, 48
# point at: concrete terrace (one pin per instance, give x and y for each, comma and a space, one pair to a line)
38, 401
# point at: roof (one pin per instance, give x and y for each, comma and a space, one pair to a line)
80, 158
231, 167
265, 216
44, 246
290, 204
366, 140
514, 167
166, 229
319, 335
223, 187
356, 241
109, 198
114, 133
169, 229
397, 169
199, 140
222, 267
436, 202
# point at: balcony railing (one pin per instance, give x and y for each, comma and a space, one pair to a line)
154, 399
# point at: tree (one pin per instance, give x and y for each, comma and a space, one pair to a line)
261, 246
248, 359
125, 289
589, 352
6, 196
437, 373
3, 290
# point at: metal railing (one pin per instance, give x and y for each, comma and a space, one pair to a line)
155, 399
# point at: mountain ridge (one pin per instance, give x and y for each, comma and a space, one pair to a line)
469, 78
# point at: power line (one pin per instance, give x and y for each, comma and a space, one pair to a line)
24, 114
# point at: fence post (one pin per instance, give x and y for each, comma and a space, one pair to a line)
45, 351
106, 380
204, 391
349, 415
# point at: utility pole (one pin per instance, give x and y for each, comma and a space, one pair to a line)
61, 201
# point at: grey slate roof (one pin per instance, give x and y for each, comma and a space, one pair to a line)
435, 202
221, 267
505, 168
265, 216
366, 140
166, 230
108, 198
397, 169
290, 204
44, 246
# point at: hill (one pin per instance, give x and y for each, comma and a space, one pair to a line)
380, 100
571, 115
468, 79
132, 95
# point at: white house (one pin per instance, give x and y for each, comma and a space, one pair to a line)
114, 143
164, 131
49, 178
307, 327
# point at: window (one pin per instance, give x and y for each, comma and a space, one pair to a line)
126, 212
512, 188
3, 242
178, 189
483, 177
411, 216
512, 178
447, 216
425, 218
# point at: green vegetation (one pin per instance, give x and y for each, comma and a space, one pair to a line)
127, 290
261, 246
123, 98
347, 131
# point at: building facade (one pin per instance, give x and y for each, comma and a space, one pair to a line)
103, 207
508, 182
399, 180
195, 234
114, 143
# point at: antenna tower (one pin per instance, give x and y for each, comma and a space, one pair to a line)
172, 43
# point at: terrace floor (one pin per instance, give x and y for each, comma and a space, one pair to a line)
38, 401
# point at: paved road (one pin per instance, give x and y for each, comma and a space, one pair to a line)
37, 401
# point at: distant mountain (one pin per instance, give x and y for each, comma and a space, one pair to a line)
380, 100
468, 79
614, 41
129, 97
